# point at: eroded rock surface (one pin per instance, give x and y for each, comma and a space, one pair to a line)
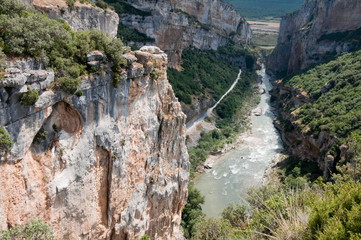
320, 29
176, 25
113, 164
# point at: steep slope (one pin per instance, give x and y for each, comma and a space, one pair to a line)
321, 111
177, 25
320, 29
113, 163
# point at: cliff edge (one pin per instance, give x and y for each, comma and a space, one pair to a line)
319, 30
109, 164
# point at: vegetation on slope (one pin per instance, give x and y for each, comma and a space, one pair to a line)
125, 33
35, 229
26, 32
262, 9
336, 103
205, 74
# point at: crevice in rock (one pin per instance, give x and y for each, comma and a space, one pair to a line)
103, 162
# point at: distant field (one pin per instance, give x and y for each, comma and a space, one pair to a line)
265, 34
265, 9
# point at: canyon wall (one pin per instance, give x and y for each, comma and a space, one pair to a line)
109, 164
306, 147
177, 25
80, 17
319, 30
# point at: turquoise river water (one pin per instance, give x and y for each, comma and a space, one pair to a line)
244, 166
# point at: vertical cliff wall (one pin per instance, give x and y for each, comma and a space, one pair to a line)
320, 29
176, 25
110, 164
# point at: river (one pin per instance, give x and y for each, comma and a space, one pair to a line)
244, 166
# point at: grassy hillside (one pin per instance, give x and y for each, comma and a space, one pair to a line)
261, 9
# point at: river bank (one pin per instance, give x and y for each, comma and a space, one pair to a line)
244, 165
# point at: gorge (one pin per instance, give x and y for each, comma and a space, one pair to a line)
243, 167
95, 101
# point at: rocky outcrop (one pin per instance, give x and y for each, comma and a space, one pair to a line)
82, 16
177, 25
320, 29
110, 164
306, 147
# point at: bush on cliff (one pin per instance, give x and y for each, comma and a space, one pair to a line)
29, 98
35, 229
26, 32
5, 141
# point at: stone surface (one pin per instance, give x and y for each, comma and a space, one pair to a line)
176, 25
82, 16
302, 145
257, 111
303, 34
114, 164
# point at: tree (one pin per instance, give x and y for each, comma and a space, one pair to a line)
192, 211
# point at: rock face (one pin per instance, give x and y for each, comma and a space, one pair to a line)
110, 164
82, 16
176, 25
302, 145
320, 29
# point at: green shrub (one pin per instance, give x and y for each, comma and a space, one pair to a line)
336, 214
192, 211
70, 3
132, 35
79, 93
26, 32
11, 7
116, 79
35, 229
235, 215
29, 98
211, 229
68, 84
145, 237
5, 141
40, 136
101, 4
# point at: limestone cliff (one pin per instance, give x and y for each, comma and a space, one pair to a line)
82, 16
110, 164
320, 29
176, 25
